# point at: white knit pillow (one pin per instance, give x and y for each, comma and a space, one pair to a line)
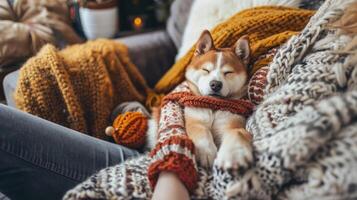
206, 14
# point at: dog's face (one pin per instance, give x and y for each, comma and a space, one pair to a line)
219, 72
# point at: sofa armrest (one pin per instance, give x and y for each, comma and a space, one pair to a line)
9, 84
153, 53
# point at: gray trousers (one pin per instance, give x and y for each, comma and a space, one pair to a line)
42, 160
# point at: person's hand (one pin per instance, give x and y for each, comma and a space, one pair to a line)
169, 186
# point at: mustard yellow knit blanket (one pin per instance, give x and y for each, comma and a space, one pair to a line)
79, 86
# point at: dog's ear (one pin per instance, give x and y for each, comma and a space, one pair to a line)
204, 44
242, 49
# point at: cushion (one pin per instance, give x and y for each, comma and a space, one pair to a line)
176, 23
26, 25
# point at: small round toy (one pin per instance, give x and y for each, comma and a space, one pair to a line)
129, 129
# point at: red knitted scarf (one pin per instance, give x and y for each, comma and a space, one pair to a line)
239, 106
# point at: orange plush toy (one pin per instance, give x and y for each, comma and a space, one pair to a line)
129, 129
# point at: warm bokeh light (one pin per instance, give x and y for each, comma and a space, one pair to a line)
138, 21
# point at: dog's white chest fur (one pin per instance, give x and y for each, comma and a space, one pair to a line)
218, 134
214, 121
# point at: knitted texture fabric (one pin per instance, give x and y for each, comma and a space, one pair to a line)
130, 129
266, 26
308, 114
188, 99
258, 80
79, 86
257, 84
304, 131
174, 151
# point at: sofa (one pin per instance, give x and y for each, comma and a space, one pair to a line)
153, 53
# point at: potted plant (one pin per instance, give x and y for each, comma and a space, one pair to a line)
99, 18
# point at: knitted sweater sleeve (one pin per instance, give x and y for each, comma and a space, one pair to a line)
174, 151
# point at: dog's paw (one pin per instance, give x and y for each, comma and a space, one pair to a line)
234, 157
250, 182
206, 152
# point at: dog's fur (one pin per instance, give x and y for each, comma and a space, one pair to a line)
210, 129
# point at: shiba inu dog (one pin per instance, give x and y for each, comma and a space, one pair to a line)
217, 135
221, 73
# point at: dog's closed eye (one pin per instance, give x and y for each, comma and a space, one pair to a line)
227, 73
205, 70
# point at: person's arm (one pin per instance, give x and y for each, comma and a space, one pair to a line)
169, 186
174, 151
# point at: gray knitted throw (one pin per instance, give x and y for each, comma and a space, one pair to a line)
305, 131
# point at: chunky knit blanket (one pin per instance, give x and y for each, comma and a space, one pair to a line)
79, 86
305, 130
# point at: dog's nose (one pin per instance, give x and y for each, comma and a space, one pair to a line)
215, 85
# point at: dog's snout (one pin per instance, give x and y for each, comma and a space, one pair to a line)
215, 85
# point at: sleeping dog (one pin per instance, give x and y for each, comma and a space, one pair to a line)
221, 73
217, 135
